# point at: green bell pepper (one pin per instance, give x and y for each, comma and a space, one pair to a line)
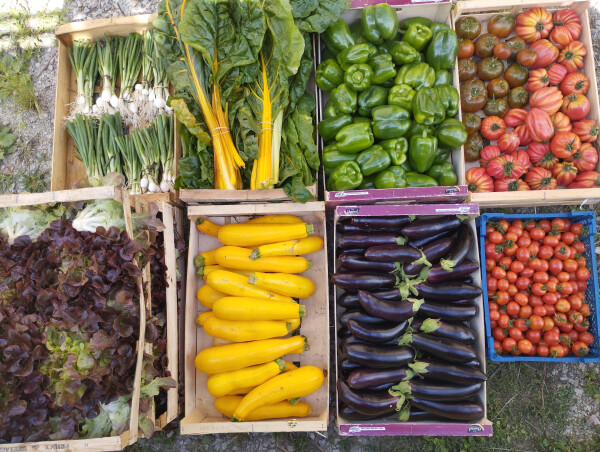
406, 167
443, 77
414, 20
437, 27
393, 177
332, 158
344, 99
441, 154
401, 96
358, 76
421, 152
390, 121
427, 107
441, 53
328, 128
397, 148
449, 97
451, 133
379, 23
418, 129
338, 37
419, 180
370, 98
416, 75
383, 68
355, 138
345, 177
361, 119
373, 160
403, 53
357, 54
443, 173
329, 111
367, 183
418, 36
329, 75
356, 31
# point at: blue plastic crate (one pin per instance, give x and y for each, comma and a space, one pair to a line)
588, 219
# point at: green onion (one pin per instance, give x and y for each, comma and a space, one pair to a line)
108, 67
132, 167
110, 128
84, 132
130, 63
164, 131
84, 56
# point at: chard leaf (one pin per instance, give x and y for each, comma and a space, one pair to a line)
302, 8
189, 120
326, 13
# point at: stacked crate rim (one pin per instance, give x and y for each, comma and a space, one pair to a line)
67, 169
483, 11
387, 426
201, 417
592, 295
439, 11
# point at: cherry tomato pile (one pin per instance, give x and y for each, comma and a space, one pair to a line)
522, 77
536, 282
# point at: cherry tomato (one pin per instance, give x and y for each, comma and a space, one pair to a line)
585, 309
540, 277
523, 254
550, 309
568, 237
583, 274
509, 344
562, 305
576, 302
556, 351
563, 277
551, 240
566, 327
513, 308
517, 266
489, 264
542, 350
565, 288
492, 252
525, 346
562, 251
495, 237
502, 226
498, 273
539, 311
580, 348
498, 347
515, 333
545, 225
538, 289
550, 298
537, 234
545, 252
502, 297
503, 284
512, 250
537, 322
551, 285
573, 336
583, 326
503, 321
559, 224
581, 261
521, 299
511, 276
578, 246
524, 241
535, 300
527, 272
535, 336
551, 337
576, 228
555, 266
522, 282
512, 290
548, 324
586, 337
544, 266
525, 312
575, 318
494, 315
559, 319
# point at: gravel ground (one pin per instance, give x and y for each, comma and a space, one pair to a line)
34, 154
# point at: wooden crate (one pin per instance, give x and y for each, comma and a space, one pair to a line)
438, 11
67, 169
391, 426
200, 415
483, 11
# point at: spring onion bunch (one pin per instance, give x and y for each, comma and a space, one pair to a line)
149, 154
84, 56
108, 67
110, 127
130, 64
159, 95
84, 131
132, 167
164, 133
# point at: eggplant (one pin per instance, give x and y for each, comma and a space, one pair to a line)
361, 316
350, 299
454, 312
433, 253
367, 402
378, 357
395, 311
366, 240
473, 363
430, 226
437, 274
382, 387
374, 223
365, 281
358, 251
418, 243
392, 253
448, 330
460, 411
464, 244
412, 414
365, 378
353, 340
352, 415
348, 228
376, 334
442, 371
445, 349
343, 333
356, 262
436, 390
448, 291
347, 367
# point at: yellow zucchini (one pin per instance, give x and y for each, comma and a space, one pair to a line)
294, 286
289, 366
224, 383
241, 391
276, 219
208, 227
228, 404
205, 258
237, 285
237, 258
288, 385
289, 248
245, 234
251, 309
242, 331
217, 342
203, 272
203, 317
207, 296
215, 360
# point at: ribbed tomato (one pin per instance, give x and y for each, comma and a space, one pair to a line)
586, 158
565, 144
564, 172
561, 122
487, 154
523, 134
587, 130
546, 51
572, 55
492, 128
504, 167
478, 181
540, 179
548, 99
539, 125
575, 83
576, 106
515, 117
541, 155
521, 158
534, 24
538, 78
510, 185
556, 73
567, 27
509, 142
586, 179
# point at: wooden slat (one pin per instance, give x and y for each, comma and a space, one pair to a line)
193, 197
108, 444
84, 194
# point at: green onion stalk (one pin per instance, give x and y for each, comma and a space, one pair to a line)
130, 63
160, 92
146, 143
164, 132
132, 167
84, 132
109, 129
108, 67
84, 56
147, 64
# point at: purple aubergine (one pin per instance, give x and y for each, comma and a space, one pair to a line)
347, 228
439, 391
433, 253
448, 330
366, 240
394, 311
378, 223
354, 340
343, 332
353, 282
430, 226
361, 316
376, 334
392, 253
454, 312
437, 274
460, 411
473, 363
364, 378
346, 366
446, 349
378, 357
421, 242
367, 402
449, 291
413, 414
358, 251
348, 413
443, 371
356, 262
464, 244
350, 299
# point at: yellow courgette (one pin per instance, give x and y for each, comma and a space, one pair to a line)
241, 391
215, 360
228, 404
207, 296
203, 272
243, 331
238, 258
295, 286
217, 342
224, 383
276, 219
245, 234
205, 258
251, 309
208, 227
288, 385
203, 317
237, 285
288, 248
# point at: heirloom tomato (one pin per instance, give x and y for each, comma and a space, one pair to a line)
534, 24
556, 73
492, 128
575, 83
478, 181
565, 144
576, 106
540, 179
561, 122
538, 78
509, 142
586, 158
572, 55
587, 130
564, 172
549, 99
539, 125
547, 53
567, 27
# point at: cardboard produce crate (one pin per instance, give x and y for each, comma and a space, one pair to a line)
484, 11
201, 417
438, 11
390, 426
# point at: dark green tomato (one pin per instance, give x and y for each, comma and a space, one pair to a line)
498, 87
516, 75
518, 97
490, 68
515, 44
473, 95
472, 122
473, 147
468, 27
467, 69
496, 107
484, 46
